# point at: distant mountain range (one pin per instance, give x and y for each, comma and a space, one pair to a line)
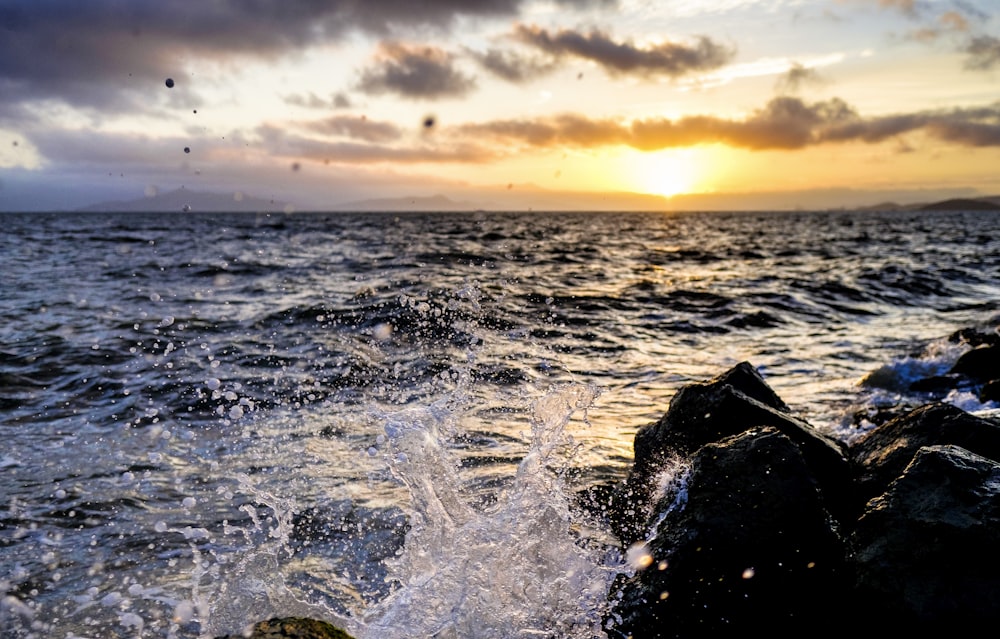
182, 199
989, 203
528, 197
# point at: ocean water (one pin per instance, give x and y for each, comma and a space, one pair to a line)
382, 420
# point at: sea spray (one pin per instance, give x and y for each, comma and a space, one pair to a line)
519, 568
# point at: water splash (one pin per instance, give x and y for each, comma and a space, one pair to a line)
520, 568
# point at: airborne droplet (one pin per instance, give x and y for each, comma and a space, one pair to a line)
187, 149
170, 83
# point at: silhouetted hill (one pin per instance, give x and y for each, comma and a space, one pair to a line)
963, 204
413, 203
182, 199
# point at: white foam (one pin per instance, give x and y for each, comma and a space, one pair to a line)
517, 569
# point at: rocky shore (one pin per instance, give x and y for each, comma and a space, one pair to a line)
739, 517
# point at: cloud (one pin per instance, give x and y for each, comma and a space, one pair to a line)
983, 52
784, 123
906, 7
415, 72
670, 59
512, 66
312, 101
110, 55
278, 141
358, 128
797, 76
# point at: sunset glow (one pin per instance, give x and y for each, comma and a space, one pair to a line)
890, 100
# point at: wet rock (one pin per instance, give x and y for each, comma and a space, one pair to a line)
292, 628
990, 392
974, 337
753, 546
936, 385
704, 413
926, 550
981, 364
882, 454
761, 528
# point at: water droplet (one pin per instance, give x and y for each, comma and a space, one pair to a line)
184, 612
382, 332
638, 556
429, 122
749, 573
187, 149
213, 383
170, 83
235, 412
189, 502
160, 526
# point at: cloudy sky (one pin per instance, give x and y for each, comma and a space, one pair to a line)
320, 102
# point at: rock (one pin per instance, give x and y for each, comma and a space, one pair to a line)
990, 392
937, 384
759, 529
974, 337
926, 550
292, 628
882, 454
981, 364
752, 547
700, 414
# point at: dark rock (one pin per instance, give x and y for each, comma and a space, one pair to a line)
882, 454
990, 391
926, 550
974, 337
292, 628
981, 364
703, 413
920, 509
937, 384
752, 547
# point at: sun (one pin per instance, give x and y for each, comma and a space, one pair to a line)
666, 173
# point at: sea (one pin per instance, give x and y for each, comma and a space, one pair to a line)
385, 420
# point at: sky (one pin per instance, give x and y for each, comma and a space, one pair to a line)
500, 104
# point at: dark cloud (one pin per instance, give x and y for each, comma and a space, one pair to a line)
358, 128
983, 52
783, 123
671, 59
797, 76
512, 66
111, 54
415, 72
